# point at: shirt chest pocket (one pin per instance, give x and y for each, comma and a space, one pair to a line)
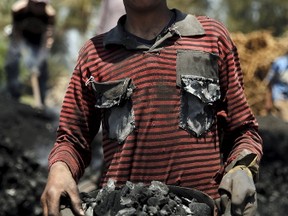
197, 76
115, 99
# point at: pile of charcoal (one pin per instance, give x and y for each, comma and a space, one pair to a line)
141, 200
272, 186
22, 181
25, 136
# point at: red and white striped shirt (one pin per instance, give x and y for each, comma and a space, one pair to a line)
166, 129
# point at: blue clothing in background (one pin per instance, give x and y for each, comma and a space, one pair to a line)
278, 78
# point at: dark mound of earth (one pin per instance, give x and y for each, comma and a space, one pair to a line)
27, 135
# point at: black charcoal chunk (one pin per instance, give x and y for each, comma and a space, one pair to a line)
200, 209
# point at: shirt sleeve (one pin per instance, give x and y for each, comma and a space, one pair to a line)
238, 125
79, 123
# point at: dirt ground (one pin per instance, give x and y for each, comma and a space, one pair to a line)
27, 135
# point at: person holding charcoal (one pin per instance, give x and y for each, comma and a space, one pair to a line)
167, 88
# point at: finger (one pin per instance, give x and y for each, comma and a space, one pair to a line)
76, 203
44, 206
53, 205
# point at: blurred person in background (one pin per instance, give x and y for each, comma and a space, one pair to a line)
168, 89
110, 12
31, 39
277, 93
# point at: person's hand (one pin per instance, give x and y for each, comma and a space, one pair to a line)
60, 183
237, 193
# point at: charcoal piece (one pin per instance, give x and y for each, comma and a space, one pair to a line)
163, 201
177, 200
153, 201
171, 204
179, 211
126, 212
166, 210
125, 190
111, 204
152, 210
131, 185
115, 202
126, 201
187, 209
159, 188
141, 213
144, 195
200, 209
139, 190
186, 201
101, 208
110, 185
87, 198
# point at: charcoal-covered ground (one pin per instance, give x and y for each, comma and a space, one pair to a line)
26, 136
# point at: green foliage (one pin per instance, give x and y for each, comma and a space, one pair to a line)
3, 50
273, 15
245, 15
250, 15
5, 12
75, 13
197, 7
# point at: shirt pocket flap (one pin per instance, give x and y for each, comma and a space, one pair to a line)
109, 94
206, 89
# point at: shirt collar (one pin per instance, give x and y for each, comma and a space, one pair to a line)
185, 25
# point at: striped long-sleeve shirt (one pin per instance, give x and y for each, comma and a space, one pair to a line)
164, 108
